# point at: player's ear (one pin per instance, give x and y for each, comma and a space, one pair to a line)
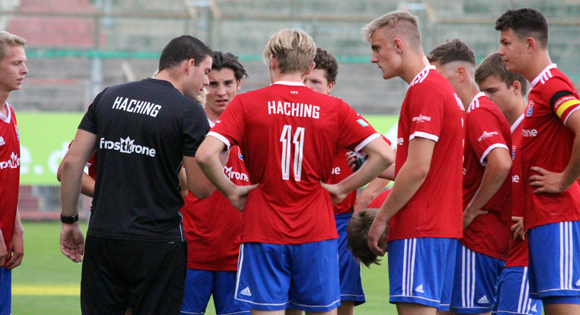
330, 86
517, 87
310, 69
239, 82
398, 45
461, 73
531, 44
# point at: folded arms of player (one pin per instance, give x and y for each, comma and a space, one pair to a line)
380, 157
499, 164
555, 183
208, 159
71, 237
409, 179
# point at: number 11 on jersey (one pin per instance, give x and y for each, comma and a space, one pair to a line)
298, 141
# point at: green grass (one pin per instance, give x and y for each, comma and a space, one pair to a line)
48, 283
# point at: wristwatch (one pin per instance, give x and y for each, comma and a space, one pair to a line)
69, 220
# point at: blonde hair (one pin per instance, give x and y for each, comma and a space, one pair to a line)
7, 39
293, 49
403, 23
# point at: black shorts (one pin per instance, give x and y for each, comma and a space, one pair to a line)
147, 276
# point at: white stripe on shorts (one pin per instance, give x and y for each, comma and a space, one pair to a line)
566, 255
467, 277
409, 253
524, 301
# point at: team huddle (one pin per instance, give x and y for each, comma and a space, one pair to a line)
252, 198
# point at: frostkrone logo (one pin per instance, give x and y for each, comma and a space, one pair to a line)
515, 179
126, 146
529, 133
237, 175
421, 118
486, 135
14, 162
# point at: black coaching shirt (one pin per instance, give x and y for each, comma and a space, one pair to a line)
143, 131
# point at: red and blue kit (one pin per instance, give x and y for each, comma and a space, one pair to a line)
547, 143
486, 129
9, 172
289, 136
439, 119
213, 227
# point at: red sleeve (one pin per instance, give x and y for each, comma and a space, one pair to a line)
355, 131
231, 126
563, 97
426, 113
484, 133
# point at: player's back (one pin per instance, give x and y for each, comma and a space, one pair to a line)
289, 136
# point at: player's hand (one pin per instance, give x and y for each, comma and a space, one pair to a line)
375, 234
546, 181
518, 231
351, 160
470, 214
3, 250
72, 242
16, 250
336, 193
240, 195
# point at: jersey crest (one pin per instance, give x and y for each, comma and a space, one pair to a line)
530, 109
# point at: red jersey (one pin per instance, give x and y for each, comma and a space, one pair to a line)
431, 110
547, 143
518, 256
486, 129
379, 200
213, 227
9, 173
289, 135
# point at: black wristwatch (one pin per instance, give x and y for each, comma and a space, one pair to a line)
69, 220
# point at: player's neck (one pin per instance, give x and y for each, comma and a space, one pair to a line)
467, 94
211, 115
516, 111
537, 64
3, 108
276, 76
414, 64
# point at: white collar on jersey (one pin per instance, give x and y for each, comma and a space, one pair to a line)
542, 74
475, 101
4, 118
517, 123
211, 123
422, 75
289, 83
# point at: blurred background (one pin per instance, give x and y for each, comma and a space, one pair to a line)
76, 48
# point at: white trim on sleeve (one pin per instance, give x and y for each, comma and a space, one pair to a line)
220, 138
425, 135
366, 141
566, 120
491, 147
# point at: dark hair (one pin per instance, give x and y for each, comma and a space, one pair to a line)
228, 60
492, 65
525, 22
325, 60
182, 48
455, 50
357, 231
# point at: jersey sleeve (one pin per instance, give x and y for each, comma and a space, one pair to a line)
355, 131
563, 98
426, 114
195, 127
484, 133
230, 128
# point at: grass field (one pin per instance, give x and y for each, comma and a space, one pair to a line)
48, 283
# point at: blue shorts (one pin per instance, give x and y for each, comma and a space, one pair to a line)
5, 291
274, 277
421, 271
201, 284
513, 295
554, 269
475, 281
350, 281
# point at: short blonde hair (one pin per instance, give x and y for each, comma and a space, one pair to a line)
293, 49
7, 39
404, 24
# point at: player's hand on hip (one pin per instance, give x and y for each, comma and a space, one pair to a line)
335, 192
518, 231
470, 214
377, 231
16, 251
546, 181
72, 242
240, 196
3, 250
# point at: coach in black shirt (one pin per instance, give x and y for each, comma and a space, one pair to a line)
142, 131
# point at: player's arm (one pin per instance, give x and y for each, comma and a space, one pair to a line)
380, 156
16, 250
208, 159
88, 183
499, 163
550, 182
373, 189
183, 186
71, 237
409, 179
